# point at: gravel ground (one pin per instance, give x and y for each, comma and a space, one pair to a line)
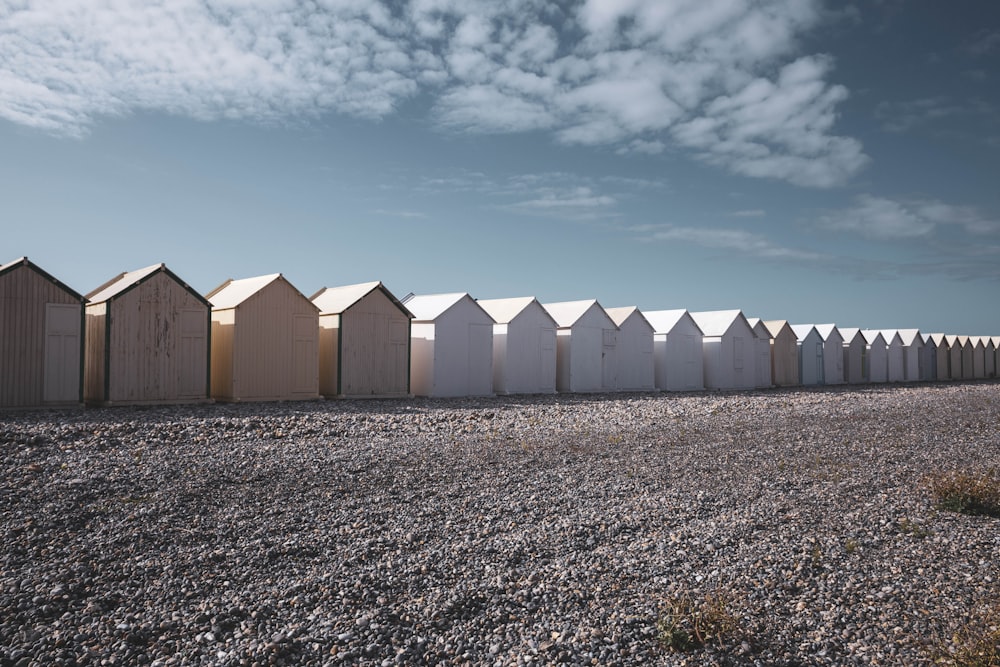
527, 530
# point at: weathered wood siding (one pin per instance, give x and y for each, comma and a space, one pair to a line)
329, 344
374, 349
40, 346
156, 349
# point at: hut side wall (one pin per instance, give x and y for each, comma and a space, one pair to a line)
762, 357
968, 369
833, 359
223, 333
524, 354
635, 356
785, 359
895, 367
911, 361
329, 342
374, 352
464, 359
811, 362
877, 362
41, 334
854, 354
678, 358
422, 358
95, 353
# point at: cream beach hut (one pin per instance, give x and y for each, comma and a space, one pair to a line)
364, 342
147, 340
811, 365
877, 358
677, 350
636, 368
524, 346
265, 341
451, 346
784, 353
762, 352
728, 349
586, 346
41, 338
855, 355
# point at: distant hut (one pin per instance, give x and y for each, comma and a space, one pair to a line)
811, 367
364, 342
877, 358
784, 353
636, 368
968, 365
855, 355
928, 358
762, 352
833, 353
677, 350
895, 369
942, 357
991, 356
265, 341
913, 352
954, 356
728, 348
586, 346
978, 357
451, 346
148, 340
41, 338
524, 346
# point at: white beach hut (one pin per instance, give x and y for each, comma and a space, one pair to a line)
978, 356
812, 370
728, 349
586, 346
913, 351
928, 358
41, 338
784, 353
895, 368
954, 356
364, 342
942, 353
451, 346
636, 368
855, 355
833, 357
968, 363
877, 357
524, 346
677, 350
762, 352
991, 356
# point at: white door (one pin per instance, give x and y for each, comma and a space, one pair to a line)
547, 365
480, 382
609, 360
62, 353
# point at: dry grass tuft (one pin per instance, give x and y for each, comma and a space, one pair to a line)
968, 492
687, 623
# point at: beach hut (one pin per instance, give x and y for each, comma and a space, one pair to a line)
636, 368
811, 365
524, 346
451, 346
895, 370
954, 356
942, 353
147, 340
833, 353
928, 358
913, 350
968, 365
265, 341
784, 353
855, 355
762, 352
41, 338
877, 357
996, 344
364, 342
728, 349
991, 356
586, 346
978, 357
677, 350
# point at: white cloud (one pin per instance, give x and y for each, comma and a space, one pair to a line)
884, 219
739, 241
640, 76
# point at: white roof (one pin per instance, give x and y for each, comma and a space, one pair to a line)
871, 335
664, 321
428, 307
19, 260
234, 292
121, 282
716, 322
826, 330
619, 315
802, 331
849, 333
335, 300
889, 334
910, 336
938, 338
504, 310
775, 326
566, 313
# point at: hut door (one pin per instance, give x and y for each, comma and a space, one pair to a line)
547, 363
62, 353
305, 369
692, 361
820, 370
480, 381
609, 360
193, 365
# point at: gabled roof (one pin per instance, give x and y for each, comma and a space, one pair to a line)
996, 340
27, 263
619, 315
826, 330
664, 321
802, 331
977, 341
335, 300
889, 334
232, 293
123, 282
872, 335
910, 336
759, 329
850, 333
717, 322
503, 311
775, 327
429, 307
939, 339
567, 313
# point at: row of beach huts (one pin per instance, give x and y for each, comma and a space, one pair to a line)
147, 337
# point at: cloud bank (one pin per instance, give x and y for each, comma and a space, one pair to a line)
720, 79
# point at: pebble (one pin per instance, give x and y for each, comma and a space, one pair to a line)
507, 530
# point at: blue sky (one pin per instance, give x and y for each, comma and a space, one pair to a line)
801, 160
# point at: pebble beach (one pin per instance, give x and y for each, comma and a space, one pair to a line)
496, 531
